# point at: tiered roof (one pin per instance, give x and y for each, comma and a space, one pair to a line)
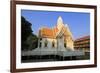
57, 31
48, 33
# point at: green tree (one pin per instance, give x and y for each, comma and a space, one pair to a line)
32, 41
27, 37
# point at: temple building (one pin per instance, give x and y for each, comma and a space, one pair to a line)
56, 41
58, 36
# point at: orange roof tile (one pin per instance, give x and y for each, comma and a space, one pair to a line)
48, 33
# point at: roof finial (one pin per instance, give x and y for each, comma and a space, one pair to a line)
59, 21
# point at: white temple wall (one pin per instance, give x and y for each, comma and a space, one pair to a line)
49, 40
70, 43
61, 42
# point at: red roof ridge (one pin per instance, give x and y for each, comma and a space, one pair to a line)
82, 38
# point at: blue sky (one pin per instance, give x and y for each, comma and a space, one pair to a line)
78, 22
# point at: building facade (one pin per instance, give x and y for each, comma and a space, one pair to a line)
57, 37
82, 43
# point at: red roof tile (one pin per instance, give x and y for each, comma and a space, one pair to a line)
83, 38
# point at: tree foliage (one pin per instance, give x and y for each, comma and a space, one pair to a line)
28, 39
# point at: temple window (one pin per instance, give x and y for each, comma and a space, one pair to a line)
40, 44
65, 45
46, 43
53, 44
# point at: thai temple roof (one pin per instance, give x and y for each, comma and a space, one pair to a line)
48, 33
55, 31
